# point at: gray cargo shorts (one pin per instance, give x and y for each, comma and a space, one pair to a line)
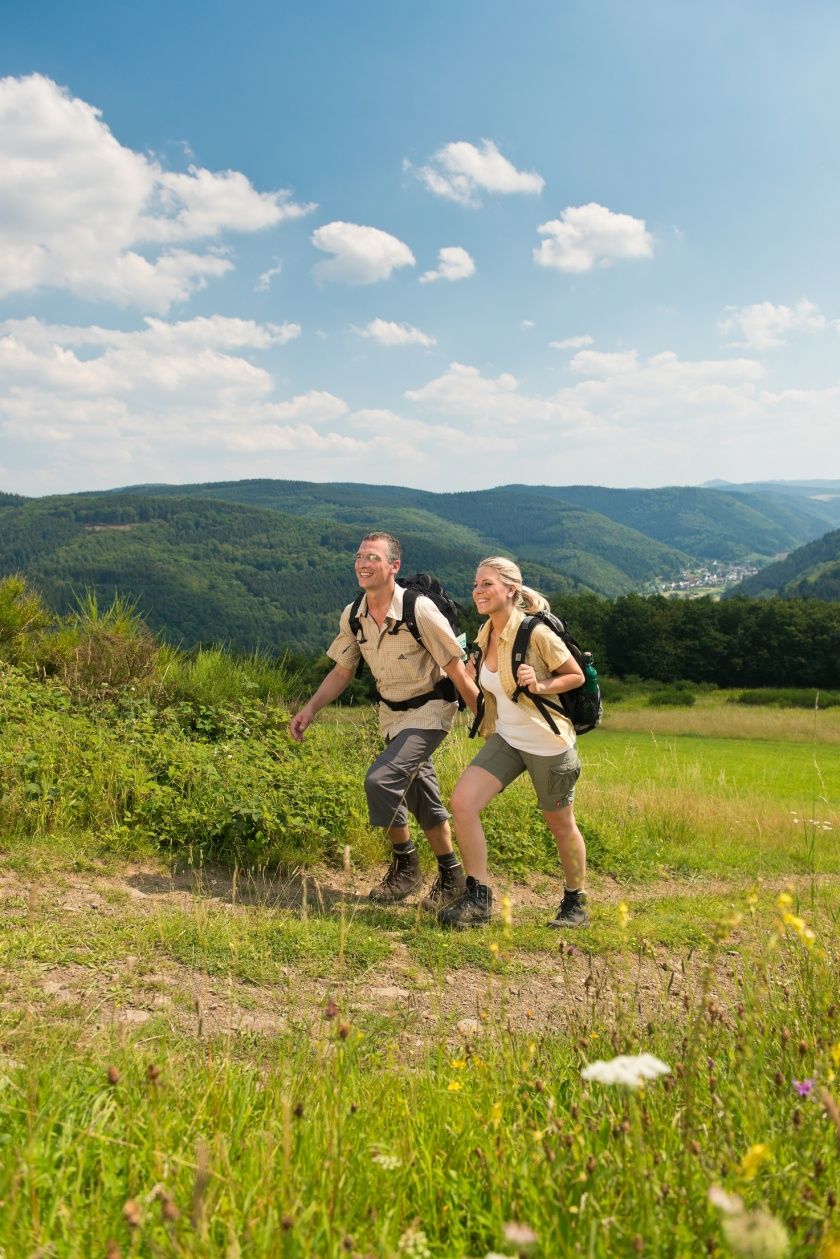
402, 780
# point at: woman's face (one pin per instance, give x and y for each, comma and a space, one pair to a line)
490, 593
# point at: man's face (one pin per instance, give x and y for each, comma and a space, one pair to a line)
373, 568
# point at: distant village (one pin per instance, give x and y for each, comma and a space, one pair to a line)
709, 579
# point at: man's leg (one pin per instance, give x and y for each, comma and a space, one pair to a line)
391, 786
424, 801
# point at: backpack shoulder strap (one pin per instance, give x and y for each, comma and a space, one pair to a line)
409, 619
520, 648
355, 623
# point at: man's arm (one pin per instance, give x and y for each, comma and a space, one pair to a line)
336, 681
464, 684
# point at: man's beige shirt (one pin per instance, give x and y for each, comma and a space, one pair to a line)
402, 667
546, 652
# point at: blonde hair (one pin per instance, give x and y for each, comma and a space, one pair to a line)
527, 599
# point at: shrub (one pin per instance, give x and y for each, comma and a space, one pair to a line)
788, 697
672, 696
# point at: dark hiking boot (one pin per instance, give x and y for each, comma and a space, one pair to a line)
572, 911
473, 909
448, 887
401, 879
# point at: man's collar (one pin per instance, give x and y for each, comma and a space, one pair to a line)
395, 607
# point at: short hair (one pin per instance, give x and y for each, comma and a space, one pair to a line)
394, 548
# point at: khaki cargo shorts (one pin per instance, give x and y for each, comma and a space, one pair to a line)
554, 777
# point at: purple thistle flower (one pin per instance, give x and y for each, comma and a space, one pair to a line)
803, 1087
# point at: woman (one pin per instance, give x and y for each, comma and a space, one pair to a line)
518, 739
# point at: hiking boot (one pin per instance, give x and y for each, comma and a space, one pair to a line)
448, 887
572, 911
401, 879
473, 909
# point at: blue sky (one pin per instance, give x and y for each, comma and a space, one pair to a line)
221, 231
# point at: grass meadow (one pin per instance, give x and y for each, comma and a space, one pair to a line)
211, 1044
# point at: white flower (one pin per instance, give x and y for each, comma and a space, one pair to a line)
629, 1070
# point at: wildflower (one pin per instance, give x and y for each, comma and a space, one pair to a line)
835, 1053
414, 1243
755, 1157
458, 1064
756, 1235
496, 1114
803, 1087
520, 1235
494, 947
752, 900
131, 1214
623, 915
830, 1248
389, 1162
784, 900
454, 1086
507, 916
629, 1070
330, 1009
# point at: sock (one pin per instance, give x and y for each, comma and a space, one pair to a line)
404, 850
448, 861
572, 891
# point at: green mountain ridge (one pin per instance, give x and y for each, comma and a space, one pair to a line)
810, 572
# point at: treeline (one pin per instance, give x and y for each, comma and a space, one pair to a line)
737, 642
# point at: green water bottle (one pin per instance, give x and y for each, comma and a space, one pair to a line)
590, 674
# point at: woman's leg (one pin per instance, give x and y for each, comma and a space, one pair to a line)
570, 845
473, 792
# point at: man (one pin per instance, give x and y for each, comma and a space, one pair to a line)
414, 717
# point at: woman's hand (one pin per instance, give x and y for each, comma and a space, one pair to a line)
527, 679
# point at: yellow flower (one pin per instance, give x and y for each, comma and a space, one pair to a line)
494, 947
454, 1086
507, 916
755, 1157
830, 1248
835, 1054
496, 1114
752, 900
623, 915
458, 1064
784, 900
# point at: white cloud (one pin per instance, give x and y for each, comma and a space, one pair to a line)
527, 323
591, 235
571, 343
763, 325
393, 334
91, 403
459, 171
361, 255
454, 263
76, 206
263, 284
417, 439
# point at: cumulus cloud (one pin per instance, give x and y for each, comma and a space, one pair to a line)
571, 343
361, 255
454, 263
393, 334
590, 235
460, 172
763, 325
420, 440
114, 399
77, 207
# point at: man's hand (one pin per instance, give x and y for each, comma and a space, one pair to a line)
300, 722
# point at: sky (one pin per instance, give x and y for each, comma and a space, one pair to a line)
446, 244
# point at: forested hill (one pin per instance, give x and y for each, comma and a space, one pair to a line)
205, 571
709, 524
559, 524
811, 572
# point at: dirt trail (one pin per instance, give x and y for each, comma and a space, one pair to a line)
563, 990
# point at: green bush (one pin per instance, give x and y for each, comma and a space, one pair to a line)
672, 697
787, 697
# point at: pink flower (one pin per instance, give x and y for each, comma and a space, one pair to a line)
803, 1087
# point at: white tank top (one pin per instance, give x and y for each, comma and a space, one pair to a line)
517, 727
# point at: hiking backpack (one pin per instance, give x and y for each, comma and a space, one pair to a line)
583, 706
413, 587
